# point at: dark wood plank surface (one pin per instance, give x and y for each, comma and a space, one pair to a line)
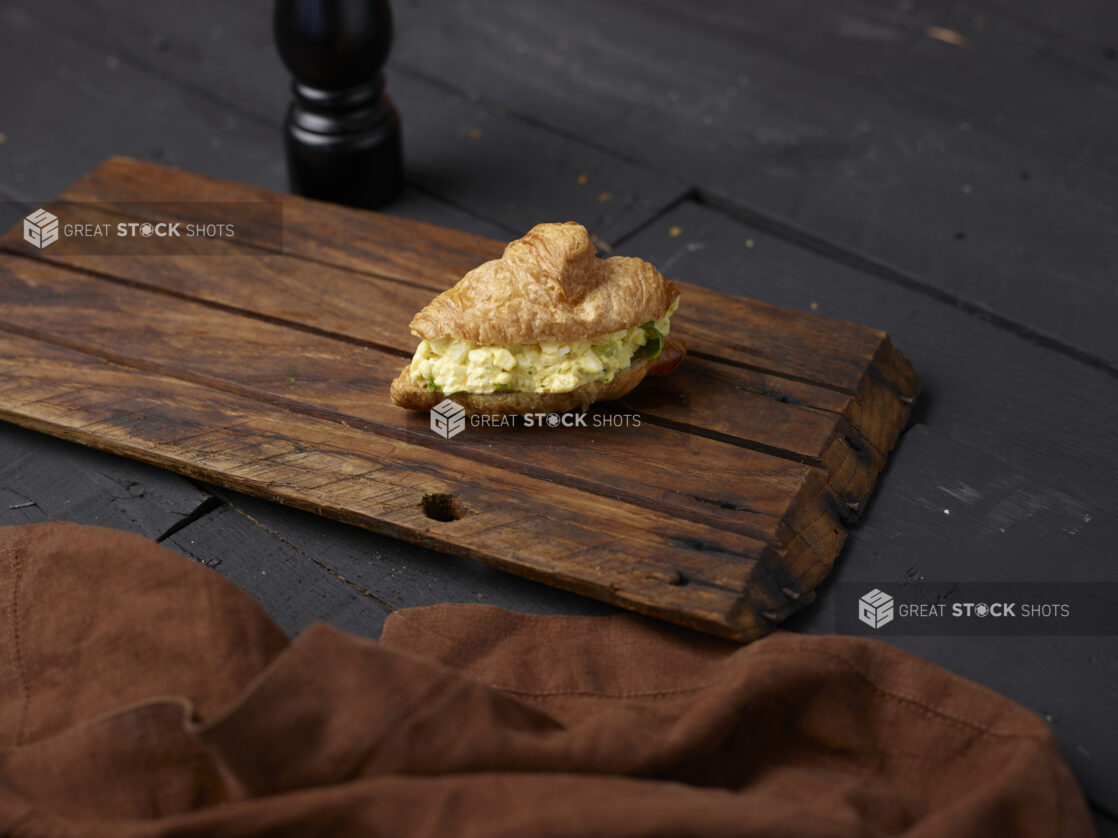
983, 384
451, 139
297, 591
841, 156
976, 171
42, 478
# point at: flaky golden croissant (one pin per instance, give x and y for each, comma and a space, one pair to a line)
548, 327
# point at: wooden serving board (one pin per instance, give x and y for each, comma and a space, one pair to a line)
266, 370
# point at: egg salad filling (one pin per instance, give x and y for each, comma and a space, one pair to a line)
460, 366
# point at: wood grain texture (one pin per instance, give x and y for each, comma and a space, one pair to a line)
298, 592
982, 169
777, 113
398, 574
452, 144
225, 138
428, 259
232, 371
43, 478
358, 477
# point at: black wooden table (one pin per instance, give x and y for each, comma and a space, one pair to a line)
947, 171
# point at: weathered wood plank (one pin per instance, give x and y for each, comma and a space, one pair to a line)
776, 413
296, 591
855, 360
399, 574
262, 343
694, 476
790, 419
651, 562
662, 468
823, 350
42, 478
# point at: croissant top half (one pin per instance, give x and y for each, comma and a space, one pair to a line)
549, 286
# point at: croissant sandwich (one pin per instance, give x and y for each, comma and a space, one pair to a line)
548, 327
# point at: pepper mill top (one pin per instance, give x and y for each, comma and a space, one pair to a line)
342, 133
333, 45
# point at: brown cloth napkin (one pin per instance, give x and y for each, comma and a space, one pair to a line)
142, 694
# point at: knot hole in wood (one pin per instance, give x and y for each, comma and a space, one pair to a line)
442, 507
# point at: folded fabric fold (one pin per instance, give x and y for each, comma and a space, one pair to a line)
144, 695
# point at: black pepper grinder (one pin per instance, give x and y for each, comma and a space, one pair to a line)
342, 131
